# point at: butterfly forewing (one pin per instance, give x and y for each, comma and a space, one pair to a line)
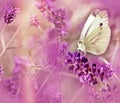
100, 21
89, 21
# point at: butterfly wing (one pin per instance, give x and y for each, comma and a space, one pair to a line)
88, 23
97, 38
98, 44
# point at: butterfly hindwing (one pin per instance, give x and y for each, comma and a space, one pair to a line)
99, 43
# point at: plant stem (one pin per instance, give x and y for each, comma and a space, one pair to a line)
61, 73
46, 79
116, 77
4, 27
40, 29
2, 36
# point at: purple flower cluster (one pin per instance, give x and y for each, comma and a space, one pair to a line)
11, 85
10, 14
34, 21
57, 98
109, 88
88, 74
110, 93
63, 46
55, 16
44, 5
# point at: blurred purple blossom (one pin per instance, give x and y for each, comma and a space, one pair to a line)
45, 5
1, 70
63, 46
81, 67
34, 21
56, 98
55, 16
11, 85
20, 63
110, 93
10, 14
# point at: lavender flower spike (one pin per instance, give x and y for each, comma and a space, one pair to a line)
87, 74
10, 14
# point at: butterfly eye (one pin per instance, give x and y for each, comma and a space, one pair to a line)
80, 41
101, 24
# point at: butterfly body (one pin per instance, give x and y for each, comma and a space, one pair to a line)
95, 35
81, 45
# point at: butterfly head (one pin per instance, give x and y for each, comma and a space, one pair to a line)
81, 45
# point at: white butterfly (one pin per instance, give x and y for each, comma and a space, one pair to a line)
96, 33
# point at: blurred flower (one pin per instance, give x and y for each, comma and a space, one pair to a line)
80, 66
10, 14
1, 70
11, 84
105, 72
55, 16
63, 46
56, 98
41, 6
20, 64
44, 5
111, 93
34, 21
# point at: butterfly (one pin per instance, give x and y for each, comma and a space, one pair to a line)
96, 33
